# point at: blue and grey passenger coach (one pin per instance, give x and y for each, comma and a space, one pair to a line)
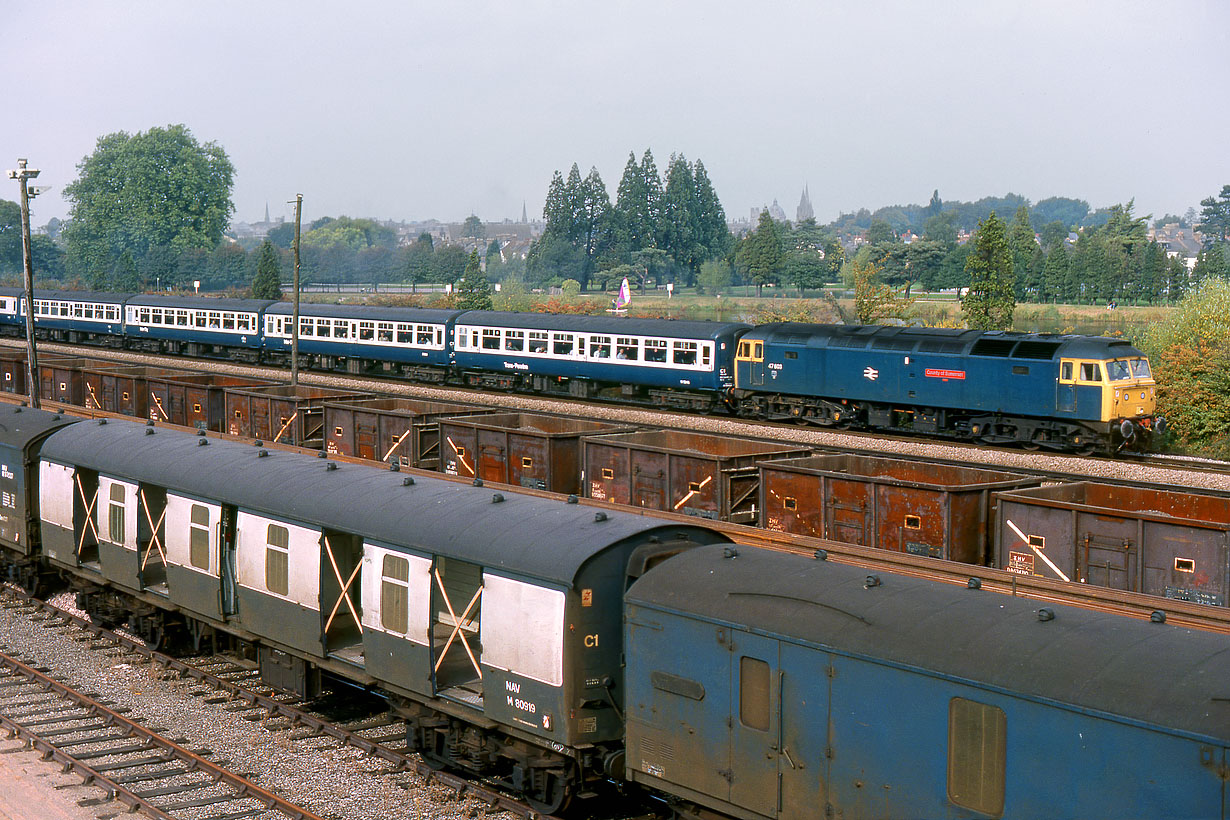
412, 342
196, 327
676, 363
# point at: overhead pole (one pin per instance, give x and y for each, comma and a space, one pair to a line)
22, 174
294, 326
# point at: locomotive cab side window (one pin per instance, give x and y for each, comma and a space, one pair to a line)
1091, 372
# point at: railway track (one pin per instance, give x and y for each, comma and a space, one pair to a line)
132, 764
1158, 471
237, 685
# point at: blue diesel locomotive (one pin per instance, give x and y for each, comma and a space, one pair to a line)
1079, 393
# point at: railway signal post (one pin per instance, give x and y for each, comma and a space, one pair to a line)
21, 175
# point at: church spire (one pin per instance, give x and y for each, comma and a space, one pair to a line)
804, 211
266, 213
524, 216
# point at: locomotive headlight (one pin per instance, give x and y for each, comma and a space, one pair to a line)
1142, 394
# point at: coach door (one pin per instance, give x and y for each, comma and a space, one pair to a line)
755, 721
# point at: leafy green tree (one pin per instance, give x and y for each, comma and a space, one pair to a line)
759, 257
880, 233
473, 227
936, 206
268, 281
1215, 217
448, 264
990, 303
1055, 275
1152, 273
227, 267
1177, 278
418, 261
10, 237
350, 234
874, 300
283, 235
46, 258
1190, 356
473, 289
124, 277
1053, 235
709, 218
715, 276
1022, 244
1068, 212
1211, 263
135, 192
941, 229
677, 228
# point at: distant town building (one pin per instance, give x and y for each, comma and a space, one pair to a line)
804, 211
776, 212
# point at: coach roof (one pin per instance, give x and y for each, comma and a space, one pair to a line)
544, 538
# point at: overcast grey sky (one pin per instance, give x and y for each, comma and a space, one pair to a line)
409, 110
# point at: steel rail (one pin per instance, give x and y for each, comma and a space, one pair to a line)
298, 718
150, 740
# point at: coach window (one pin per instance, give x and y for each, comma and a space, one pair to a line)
404, 334
324, 328
1090, 372
423, 335
77, 311
199, 319
228, 321
563, 344
754, 693
155, 316
977, 751
115, 520
491, 339
198, 537
341, 329
600, 347
395, 594
181, 318
684, 353
277, 560
514, 340
538, 342
626, 348
143, 316
384, 331
655, 350
306, 327
367, 331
